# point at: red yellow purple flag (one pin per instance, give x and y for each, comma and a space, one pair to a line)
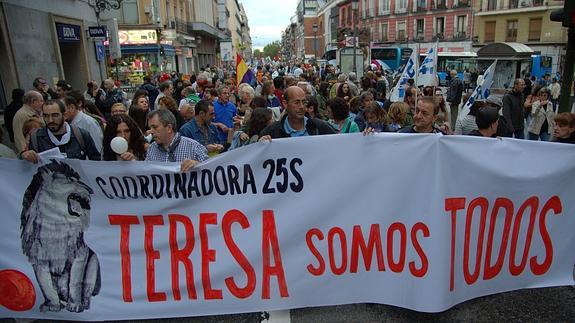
243, 73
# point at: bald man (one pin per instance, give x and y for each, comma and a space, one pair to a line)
32, 109
294, 123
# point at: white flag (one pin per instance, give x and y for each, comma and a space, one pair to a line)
481, 91
398, 92
428, 69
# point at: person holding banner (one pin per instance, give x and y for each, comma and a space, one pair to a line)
424, 118
71, 141
294, 123
169, 145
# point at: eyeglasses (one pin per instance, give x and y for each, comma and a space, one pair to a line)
299, 102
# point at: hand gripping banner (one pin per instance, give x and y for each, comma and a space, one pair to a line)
419, 221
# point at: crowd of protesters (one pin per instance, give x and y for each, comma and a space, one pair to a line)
187, 121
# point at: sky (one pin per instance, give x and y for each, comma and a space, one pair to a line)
267, 19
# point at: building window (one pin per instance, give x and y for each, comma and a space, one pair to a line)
419, 29
421, 5
439, 28
535, 29
461, 27
491, 5
349, 15
401, 34
513, 4
383, 7
511, 32
440, 4
489, 36
384, 33
371, 7
364, 6
400, 6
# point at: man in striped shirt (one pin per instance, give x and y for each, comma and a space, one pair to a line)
169, 145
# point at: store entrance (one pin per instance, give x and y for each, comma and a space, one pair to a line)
71, 63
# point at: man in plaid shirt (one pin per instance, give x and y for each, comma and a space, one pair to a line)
169, 145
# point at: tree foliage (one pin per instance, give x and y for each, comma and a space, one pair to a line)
258, 53
272, 49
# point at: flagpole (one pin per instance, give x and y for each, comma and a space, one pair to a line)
417, 73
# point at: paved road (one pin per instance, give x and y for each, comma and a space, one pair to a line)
529, 305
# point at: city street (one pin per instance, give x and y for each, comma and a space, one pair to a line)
529, 305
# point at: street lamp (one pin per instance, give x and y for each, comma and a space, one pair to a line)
314, 28
354, 7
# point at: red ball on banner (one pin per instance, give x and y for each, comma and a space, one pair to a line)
16, 291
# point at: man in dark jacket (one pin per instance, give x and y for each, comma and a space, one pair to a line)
74, 142
294, 123
513, 109
454, 94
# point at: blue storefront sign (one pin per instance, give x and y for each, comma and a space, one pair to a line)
97, 31
68, 33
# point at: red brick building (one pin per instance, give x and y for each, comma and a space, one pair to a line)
413, 23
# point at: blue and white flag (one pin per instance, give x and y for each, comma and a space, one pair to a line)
428, 69
409, 72
481, 91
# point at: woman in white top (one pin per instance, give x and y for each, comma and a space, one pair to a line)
542, 124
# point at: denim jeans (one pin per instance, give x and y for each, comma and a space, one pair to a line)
544, 136
519, 134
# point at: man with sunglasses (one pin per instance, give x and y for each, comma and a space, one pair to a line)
169, 145
294, 123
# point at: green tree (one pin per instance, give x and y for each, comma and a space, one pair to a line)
272, 49
258, 53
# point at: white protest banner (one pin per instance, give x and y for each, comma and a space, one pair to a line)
423, 222
409, 72
427, 75
481, 91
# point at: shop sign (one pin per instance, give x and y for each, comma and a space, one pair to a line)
138, 37
68, 33
97, 33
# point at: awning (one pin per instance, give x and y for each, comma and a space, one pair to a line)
506, 51
169, 50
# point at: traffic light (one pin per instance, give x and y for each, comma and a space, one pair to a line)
566, 15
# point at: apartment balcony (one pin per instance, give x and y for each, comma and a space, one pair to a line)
439, 4
181, 26
205, 29
419, 38
461, 36
493, 6
438, 37
462, 4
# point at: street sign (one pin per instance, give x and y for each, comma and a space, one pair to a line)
97, 33
349, 41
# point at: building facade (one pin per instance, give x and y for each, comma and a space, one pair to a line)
418, 24
47, 39
521, 21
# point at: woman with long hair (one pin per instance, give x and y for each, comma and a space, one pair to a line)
338, 111
139, 112
268, 92
260, 118
124, 126
344, 92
